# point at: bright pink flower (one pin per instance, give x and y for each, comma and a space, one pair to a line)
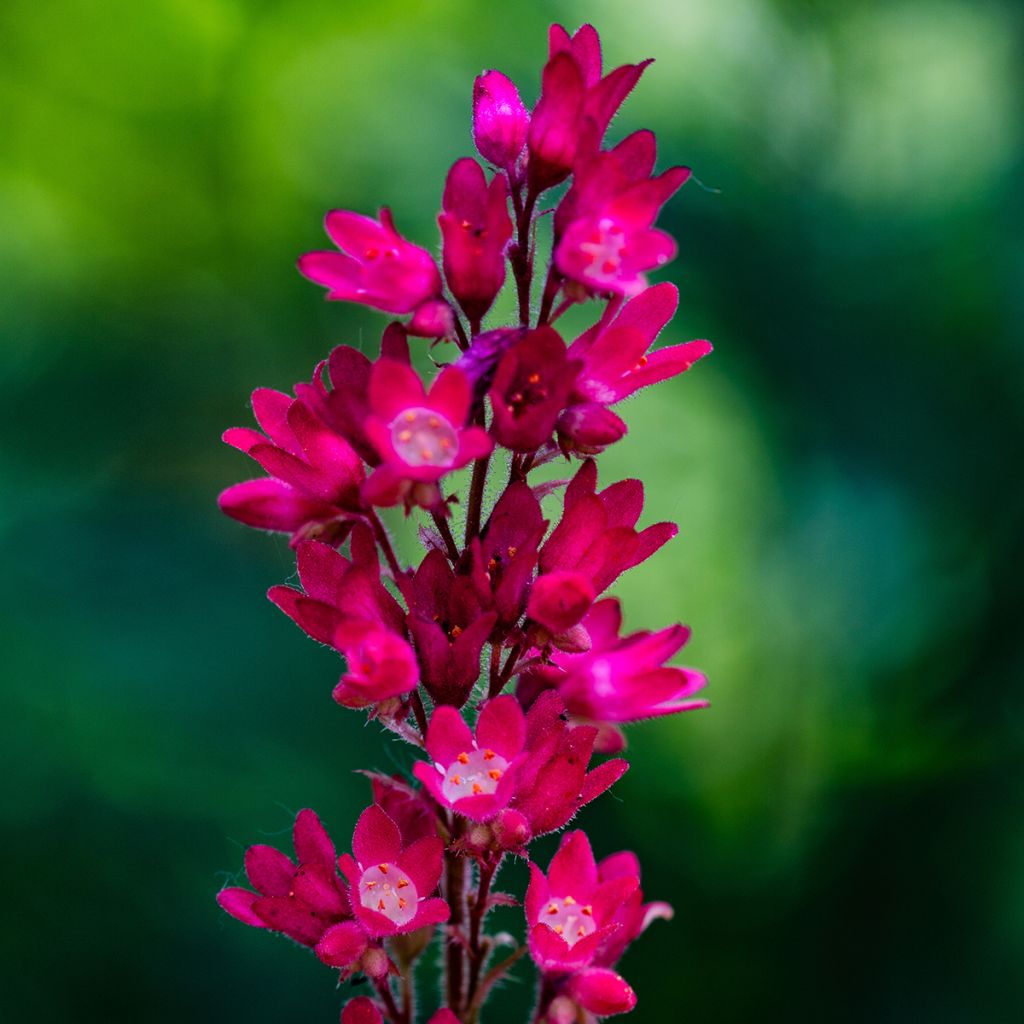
476, 227
620, 678
418, 435
345, 605
500, 121
559, 600
444, 1016
302, 898
576, 104
392, 884
450, 627
361, 1010
315, 476
633, 916
530, 389
601, 991
552, 782
474, 776
376, 265
410, 809
570, 911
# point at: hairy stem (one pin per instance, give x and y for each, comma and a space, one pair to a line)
451, 548
477, 950
381, 533
455, 891
493, 975
476, 497
522, 257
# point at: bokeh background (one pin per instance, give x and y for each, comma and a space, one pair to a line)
842, 834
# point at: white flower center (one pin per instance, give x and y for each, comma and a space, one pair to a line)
474, 773
387, 890
568, 919
423, 437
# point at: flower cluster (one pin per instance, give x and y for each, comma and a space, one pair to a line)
497, 657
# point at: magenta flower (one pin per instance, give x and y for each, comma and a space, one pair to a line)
553, 781
500, 121
476, 227
361, 1010
344, 604
450, 627
315, 476
409, 808
619, 679
391, 883
301, 898
418, 436
594, 543
576, 104
570, 911
616, 361
530, 389
376, 265
474, 776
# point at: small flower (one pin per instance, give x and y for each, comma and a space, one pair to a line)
476, 227
559, 600
530, 389
619, 679
376, 265
418, 436
552, 782
391, 884
570, 912
474, 776
344, 604
302, 898
315, 476
450, 627
410, 809
361, 1010
500, 121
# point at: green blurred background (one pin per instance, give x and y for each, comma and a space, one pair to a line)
842, 832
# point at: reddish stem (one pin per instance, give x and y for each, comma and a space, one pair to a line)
381, 533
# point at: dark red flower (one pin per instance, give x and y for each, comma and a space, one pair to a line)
476, 227
530, 389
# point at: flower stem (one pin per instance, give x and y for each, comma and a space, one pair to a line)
477, 950
381, 533
451, 548
455, 892
476, 497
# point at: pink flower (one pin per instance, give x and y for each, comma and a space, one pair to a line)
344, 604
302, 898
444, 1016
315, 476
476, 227
361, 1010
553, 781
500, 121
474, 776
571, 912
450, 627
410, 809
593, 544
418, 436
530, 389
619, 679
576, 104
376, 265
391, 884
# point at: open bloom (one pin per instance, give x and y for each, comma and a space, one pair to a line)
376, 265
570, 911
418, 435
315, 476
474, 775
620, 678
616, 362
392, 884
300, 898
553, 781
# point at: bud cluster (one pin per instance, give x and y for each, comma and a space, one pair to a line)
497, 657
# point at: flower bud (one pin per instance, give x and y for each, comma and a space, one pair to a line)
500, 121
361, 1010
511, 830
560, 599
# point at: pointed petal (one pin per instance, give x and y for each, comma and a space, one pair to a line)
238, 903
376, 838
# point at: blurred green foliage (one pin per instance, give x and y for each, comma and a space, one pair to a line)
842, 833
